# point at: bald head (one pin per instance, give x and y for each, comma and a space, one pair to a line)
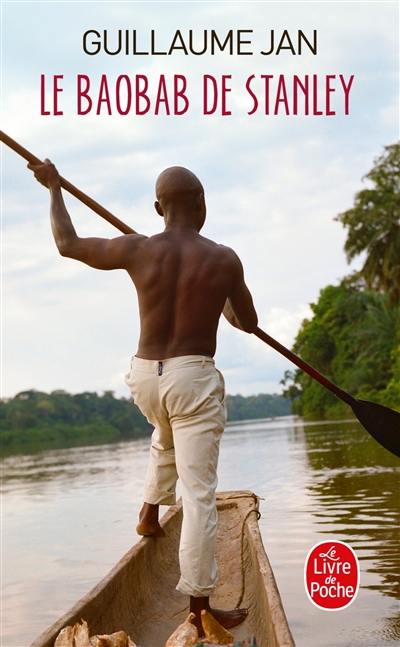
179, 190
176, 183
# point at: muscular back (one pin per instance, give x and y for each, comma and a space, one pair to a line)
182, 280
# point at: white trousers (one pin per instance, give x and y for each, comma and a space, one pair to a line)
184, 398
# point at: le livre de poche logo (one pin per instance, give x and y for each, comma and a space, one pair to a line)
331, 575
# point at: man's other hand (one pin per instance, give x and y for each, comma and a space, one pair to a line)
230, 315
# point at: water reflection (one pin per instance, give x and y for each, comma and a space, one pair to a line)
356, 484
73, 511
66, 465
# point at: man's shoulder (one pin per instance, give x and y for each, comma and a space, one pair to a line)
219, 247
229, 253
225, 255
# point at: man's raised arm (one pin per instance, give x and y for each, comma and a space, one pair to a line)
239, 308
101, 253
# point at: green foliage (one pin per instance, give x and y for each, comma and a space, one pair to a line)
354, 335
390, 396
354, 339
373, 225
262, 405
35, 420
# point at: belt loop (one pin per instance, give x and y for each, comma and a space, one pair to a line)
203, 362
160, 368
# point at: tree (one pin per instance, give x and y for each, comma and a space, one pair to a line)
373, 226
35, 420
353, 338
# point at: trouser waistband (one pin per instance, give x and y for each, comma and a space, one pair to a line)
170, 363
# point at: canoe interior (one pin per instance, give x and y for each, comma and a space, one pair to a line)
139, 594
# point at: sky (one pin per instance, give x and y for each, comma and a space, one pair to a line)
273, 184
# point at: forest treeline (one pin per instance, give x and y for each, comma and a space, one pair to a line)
263, 405
36, 420
353, 336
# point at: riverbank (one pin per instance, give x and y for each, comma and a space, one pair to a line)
34, 421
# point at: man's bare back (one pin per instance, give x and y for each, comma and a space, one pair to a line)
182, 281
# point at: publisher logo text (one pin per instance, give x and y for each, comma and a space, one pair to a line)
331, 575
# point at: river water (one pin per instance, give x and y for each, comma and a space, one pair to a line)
70, 515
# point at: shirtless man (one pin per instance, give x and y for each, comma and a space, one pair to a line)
184, 282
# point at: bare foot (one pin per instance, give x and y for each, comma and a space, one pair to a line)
147, 530
227, 619
148, 525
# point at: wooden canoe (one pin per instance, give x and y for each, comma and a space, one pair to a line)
139, 595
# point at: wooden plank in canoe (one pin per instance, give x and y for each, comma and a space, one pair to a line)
139, 595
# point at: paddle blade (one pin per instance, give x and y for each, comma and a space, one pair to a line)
381, 422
